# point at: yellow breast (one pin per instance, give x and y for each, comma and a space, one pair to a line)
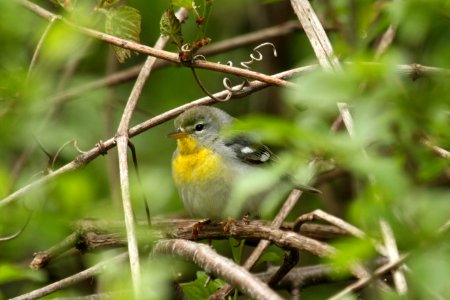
194, 162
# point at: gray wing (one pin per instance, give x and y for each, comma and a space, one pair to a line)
249, 151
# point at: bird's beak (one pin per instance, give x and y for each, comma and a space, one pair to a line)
178, 134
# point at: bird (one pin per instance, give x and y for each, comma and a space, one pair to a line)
206, 165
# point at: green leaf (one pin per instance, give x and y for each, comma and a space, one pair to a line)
182, 3
236, 249
197, 289
170, 26
274, 255
9, 273
123, 22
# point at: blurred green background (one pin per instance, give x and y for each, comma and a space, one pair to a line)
397, 178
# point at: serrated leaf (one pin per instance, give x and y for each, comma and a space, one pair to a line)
170, 26
123, 22
182, 3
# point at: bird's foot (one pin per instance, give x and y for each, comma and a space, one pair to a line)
198, 226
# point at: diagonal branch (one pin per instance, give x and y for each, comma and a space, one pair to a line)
232, 43
316, 35
166, 55
39, 46
414, 70
393, 255
363, 281
217, 265
103, 146
83, 275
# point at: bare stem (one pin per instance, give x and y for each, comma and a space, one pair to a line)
122, 139
39, 46
83, 275
316, 35
393, 255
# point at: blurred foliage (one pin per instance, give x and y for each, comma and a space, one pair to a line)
391, 174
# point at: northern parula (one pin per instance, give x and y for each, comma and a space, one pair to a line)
205, 165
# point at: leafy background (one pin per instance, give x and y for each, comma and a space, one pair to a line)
395, 177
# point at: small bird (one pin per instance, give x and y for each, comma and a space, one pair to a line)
205, 165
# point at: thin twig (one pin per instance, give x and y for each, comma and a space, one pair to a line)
305, 276
83, 159
321, 215
385, 41
39, 45
393, 255
346, 118
436, 149
19, 232
413, 70
276, 223
215, 48
363, 281
83, 275
71, 166
290, 261
122, 147
218, 266
316, 35
143, 49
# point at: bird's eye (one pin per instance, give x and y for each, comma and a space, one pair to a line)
199, 127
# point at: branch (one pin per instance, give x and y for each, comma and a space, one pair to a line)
414, 71
316, 35
393, 255
102, 147
41, 259
39, 46
215, 48
280, 217
363, 281
385, 41
92, 235
83, 275
301, 277
321, 215
166, 55
219, 266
